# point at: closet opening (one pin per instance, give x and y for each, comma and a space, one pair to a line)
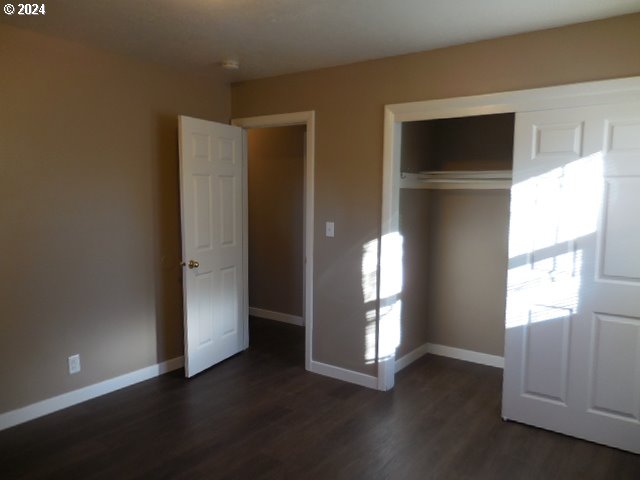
574, 152
455, 179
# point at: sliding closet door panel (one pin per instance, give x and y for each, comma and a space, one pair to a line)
572, 344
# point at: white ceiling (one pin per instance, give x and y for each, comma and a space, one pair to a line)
271, 37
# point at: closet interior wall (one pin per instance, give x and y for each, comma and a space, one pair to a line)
455, 240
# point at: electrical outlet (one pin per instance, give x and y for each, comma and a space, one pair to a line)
74, 363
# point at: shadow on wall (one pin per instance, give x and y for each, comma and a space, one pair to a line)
165, 187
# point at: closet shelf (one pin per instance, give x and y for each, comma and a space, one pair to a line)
462, 179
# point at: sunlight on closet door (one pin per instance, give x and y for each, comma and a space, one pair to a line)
549, 213
572, 342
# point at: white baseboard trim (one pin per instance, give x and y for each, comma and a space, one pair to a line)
466, 355
280, 317
59, 402
451, 352
411, 357
345, 375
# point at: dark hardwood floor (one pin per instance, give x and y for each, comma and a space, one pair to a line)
260, 415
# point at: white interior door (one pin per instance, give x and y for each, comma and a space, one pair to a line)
572, 351
212, 164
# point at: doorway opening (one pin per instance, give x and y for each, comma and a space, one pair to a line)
299, 124
275, 171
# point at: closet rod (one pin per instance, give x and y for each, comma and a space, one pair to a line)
480, 180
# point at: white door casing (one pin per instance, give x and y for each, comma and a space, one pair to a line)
572, 345
212, 167
281, 120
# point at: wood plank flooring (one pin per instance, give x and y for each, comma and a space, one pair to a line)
259, 415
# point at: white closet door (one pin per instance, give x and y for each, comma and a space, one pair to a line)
572, 348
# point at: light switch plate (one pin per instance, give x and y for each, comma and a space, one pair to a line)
74, 363
330, 229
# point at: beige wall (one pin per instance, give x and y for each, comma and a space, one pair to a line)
89, 212
276, 166
466, 276
415, 227
467, 143
349, 103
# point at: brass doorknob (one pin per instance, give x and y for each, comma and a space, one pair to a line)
192, 264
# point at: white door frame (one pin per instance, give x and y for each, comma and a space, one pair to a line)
283, 120
565, 96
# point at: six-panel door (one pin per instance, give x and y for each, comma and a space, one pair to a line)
211, 167
572, 351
